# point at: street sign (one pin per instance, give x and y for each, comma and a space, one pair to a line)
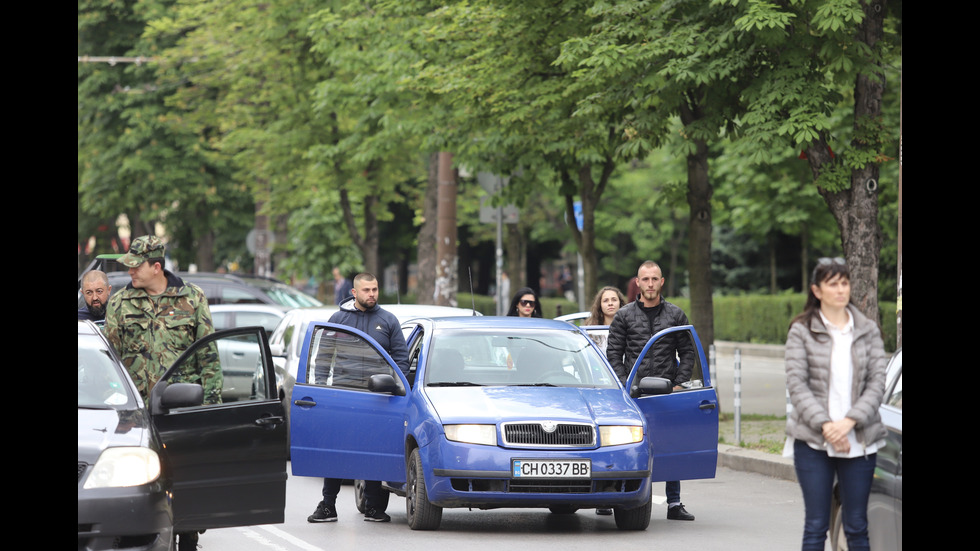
488, 213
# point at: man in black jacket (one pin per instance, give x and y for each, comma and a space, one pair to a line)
672, 357
362, 312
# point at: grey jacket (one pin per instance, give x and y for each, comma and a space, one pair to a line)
808, 379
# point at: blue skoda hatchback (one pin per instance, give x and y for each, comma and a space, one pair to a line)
497, 412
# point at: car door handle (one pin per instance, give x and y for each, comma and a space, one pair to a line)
707, 405
270, 421
307, 403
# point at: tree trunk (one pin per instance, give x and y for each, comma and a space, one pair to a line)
204, 252
427, 235
856, 208
590, 191
446, 234
699, 192
516, 261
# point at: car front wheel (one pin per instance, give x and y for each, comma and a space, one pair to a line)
422, 515
634, 519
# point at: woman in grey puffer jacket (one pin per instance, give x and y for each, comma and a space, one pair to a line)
835, 376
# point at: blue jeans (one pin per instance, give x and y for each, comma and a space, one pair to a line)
815, 471
673, 491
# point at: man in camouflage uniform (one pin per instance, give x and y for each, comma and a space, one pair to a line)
153, 321
158, 316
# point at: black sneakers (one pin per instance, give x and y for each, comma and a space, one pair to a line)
374, 515
678, 512
323, 513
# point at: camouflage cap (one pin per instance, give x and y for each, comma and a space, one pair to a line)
142, 249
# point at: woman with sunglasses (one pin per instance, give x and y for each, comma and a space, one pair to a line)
525, 304
835, 376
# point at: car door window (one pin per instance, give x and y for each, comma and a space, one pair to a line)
235, 361
895, 397
345, 360
688, 371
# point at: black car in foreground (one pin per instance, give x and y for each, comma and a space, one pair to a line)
146, 472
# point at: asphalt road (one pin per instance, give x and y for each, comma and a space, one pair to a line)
736, 511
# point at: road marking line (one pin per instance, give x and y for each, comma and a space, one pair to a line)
290, 538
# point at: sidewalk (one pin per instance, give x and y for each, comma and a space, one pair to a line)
746, 459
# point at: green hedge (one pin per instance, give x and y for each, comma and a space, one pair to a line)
760, 319
765, 319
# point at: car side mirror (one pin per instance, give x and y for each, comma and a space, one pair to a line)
653, 386
182, 395
385, 383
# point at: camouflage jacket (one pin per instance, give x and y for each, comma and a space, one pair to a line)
150, 333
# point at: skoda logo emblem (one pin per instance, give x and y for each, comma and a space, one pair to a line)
549, 426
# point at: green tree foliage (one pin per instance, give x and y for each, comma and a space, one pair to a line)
136, 155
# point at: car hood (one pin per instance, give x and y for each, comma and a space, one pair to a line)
99, 429
496, 404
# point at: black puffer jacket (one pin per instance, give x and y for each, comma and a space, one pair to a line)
629, 332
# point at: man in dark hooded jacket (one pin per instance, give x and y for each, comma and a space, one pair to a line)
362, 312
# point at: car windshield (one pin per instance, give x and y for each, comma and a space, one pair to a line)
101, 383
516, 357
287, 296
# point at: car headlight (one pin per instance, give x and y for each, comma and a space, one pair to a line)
617, 435
124, 466
472, 434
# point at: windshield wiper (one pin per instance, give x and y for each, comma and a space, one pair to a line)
457, 383
533, 384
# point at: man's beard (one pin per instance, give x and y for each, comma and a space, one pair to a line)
98, 312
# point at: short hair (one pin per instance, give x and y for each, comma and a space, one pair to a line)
364, 276
95, 274
650, 264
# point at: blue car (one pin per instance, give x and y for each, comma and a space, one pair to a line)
497, 412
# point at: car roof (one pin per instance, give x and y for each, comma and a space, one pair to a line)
87, 328
574, 317
249, 307
500, 322
403, 312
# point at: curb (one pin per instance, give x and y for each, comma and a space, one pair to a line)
764, 350
753, 461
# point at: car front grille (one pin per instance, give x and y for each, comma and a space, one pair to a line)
549, 434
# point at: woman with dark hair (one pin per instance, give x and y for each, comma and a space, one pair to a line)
835, 376
525, 304
607, 302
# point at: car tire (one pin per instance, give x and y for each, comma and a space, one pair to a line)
838, 541
563, 510
421, 514
634, 519
360, 501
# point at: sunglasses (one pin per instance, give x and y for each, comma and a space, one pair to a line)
827, 261
527, 303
